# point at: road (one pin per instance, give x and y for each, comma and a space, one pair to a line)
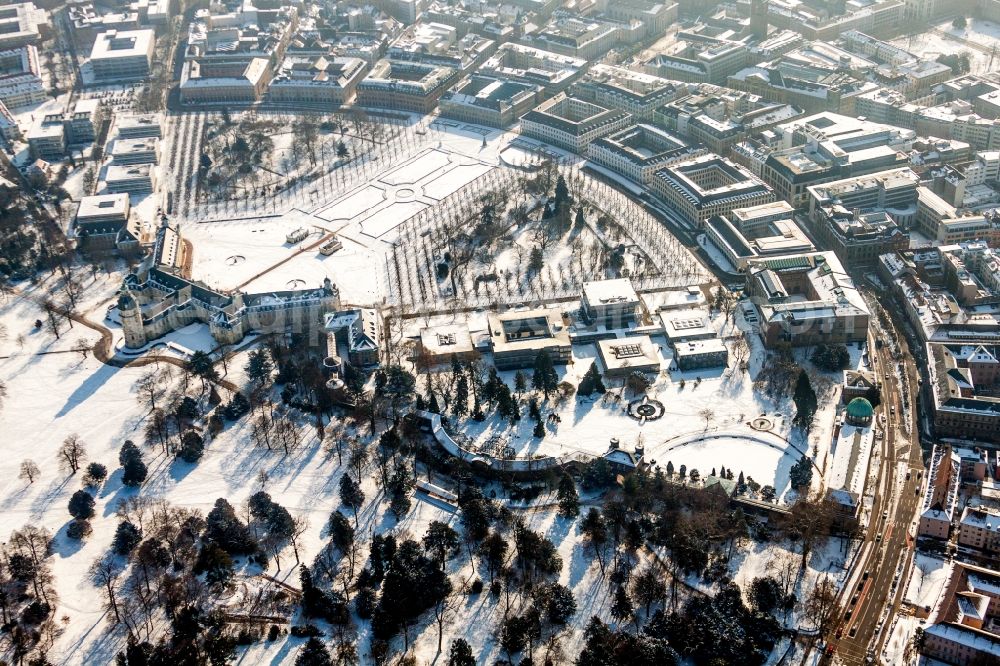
874, 588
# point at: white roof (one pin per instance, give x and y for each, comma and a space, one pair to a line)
122, 44
102, 205
636, 351
610, 291
443, 340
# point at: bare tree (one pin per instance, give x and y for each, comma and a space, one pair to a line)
52, 315
105, 572
299, 526
148, 388
707, 414
71, 454
29, 471
784, 568
444, 609
821, 604
358, 457
82, 347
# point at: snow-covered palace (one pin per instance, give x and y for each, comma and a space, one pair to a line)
156, 299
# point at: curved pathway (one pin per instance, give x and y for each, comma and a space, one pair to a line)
103, 348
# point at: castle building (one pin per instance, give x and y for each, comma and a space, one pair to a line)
157, 298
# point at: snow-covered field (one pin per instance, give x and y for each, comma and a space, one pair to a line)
251, 253
978, 40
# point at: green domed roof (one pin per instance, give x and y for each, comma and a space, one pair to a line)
860, 409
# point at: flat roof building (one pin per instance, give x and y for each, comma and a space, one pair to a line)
138, 125
122, 55
439, 344
638, 151
623, 356
47, 139
611, 303
487, 101
20, 77
571, 123
518, 337
135, 179
136, 151
697, 354
407, 86
806, 299
708, 185
687, 325
22, 24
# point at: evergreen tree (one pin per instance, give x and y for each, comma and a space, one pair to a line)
591, 382
562, 193
648, 588
461, 404
127, 537
520, 382
460, 653
400, 486
539, 430
319, 603
488, 392
801, 473
259, 366
506, 405
544, 377
533, 410
351, 495
557, 601
134, 473
200, 365
432, 404
441, 542
670, 468
579, 222
314, 653
341, 531
129, 451
192, 447
805, 401
569, 500
224, 528
133, 468
536, 260
81, 505
622, 609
